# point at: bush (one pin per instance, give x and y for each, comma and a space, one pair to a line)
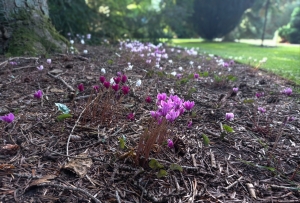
291, 32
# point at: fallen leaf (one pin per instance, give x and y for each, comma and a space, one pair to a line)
79, 166
56, 71
55, 90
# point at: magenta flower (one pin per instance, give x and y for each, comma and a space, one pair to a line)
115, 87
119, 74
190, 124
164, 108
117, 80
287, 91
172, 115
125, 90
8, 118
235, 89
170, 143
80, 87
188, 105
96, 88
124, 78
259, 94
225, 64
290, 118
148, 99
229, 116
196, 75
130, 116
102, 79
106, 84
38, 94
161, 97
261, 110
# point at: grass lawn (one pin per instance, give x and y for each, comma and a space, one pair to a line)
282, 60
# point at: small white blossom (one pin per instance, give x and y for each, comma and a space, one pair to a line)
180, 68
82, 41
174, 73
72, 41
199, 67
85, 51
49, 61
171, 61
103, 70
138, 83
112, 81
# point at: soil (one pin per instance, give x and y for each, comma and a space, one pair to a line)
98, 153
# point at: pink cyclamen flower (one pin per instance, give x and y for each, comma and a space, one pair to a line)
96, 88
148, 99
8, 118
290, 118
49, 61
225, 64
172, 115
196, 75
287, 91
188, 105
106, 84
229, 116
124, 78
179, 76
162, 97
235, 89
13, 63
259, 94
119, 74
102, 79
130, 116
117, 80
170, 143
190, 124
115, 87
41, 67
231, 62
125, 90
261, 110
38, 94
80, 87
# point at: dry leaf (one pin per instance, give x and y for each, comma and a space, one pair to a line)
56, 71
79, 166
55, 90
44, 179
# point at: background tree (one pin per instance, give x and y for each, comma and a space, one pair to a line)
25, 28
291, 32
214, 18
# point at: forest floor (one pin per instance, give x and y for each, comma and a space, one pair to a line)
108, 148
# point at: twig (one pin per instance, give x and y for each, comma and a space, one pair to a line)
24, 67
62, 80
71, 188
284, 187
233, 184
118, 197
4, 63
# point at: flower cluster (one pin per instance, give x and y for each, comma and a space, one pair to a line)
8, 118
170, 107
115, 83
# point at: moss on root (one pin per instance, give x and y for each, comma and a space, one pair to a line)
33, 34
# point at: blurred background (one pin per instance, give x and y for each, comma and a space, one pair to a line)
156, 20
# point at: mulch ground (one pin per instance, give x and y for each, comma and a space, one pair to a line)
97, 154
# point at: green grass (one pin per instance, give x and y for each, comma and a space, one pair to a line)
282, 60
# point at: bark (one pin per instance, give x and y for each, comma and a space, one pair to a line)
25, 29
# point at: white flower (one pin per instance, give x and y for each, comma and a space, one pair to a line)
199, 67
49, 61
129, 67
180, 68
210, 55
88, 36
41, 67
138, 83
103, 70
85, 51
191, 63
112, 81
174, 73
72, 41
171, 61
157, 65
82, 41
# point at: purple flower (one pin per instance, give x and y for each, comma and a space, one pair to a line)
287, 91
88, 36
13, 63
80, 87
41, 67
124, 78
102, 79
8, 118
196, 75
225, 64
125, 90
290, 118
172, 115
148, 99
188, 105
117, 80
229, 116
165, 107
190, 124
115, 87
161, 97
130, 116
49, 61
179, 76
231, 62
170, 143
119, 74
261, 110
259, 94
38, 94
155, 114
235, 89
96, 88
106, 84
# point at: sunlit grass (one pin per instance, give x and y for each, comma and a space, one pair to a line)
282, 60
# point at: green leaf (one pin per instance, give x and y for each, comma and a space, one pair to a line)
206, 140
205, 74
227, 128
248, 101
162, 173
122, 142
63, 116
63, 108
110, 62
155, 164
176, 167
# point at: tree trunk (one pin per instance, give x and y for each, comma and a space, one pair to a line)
25, 29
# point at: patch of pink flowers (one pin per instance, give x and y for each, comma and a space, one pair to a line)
8, 118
